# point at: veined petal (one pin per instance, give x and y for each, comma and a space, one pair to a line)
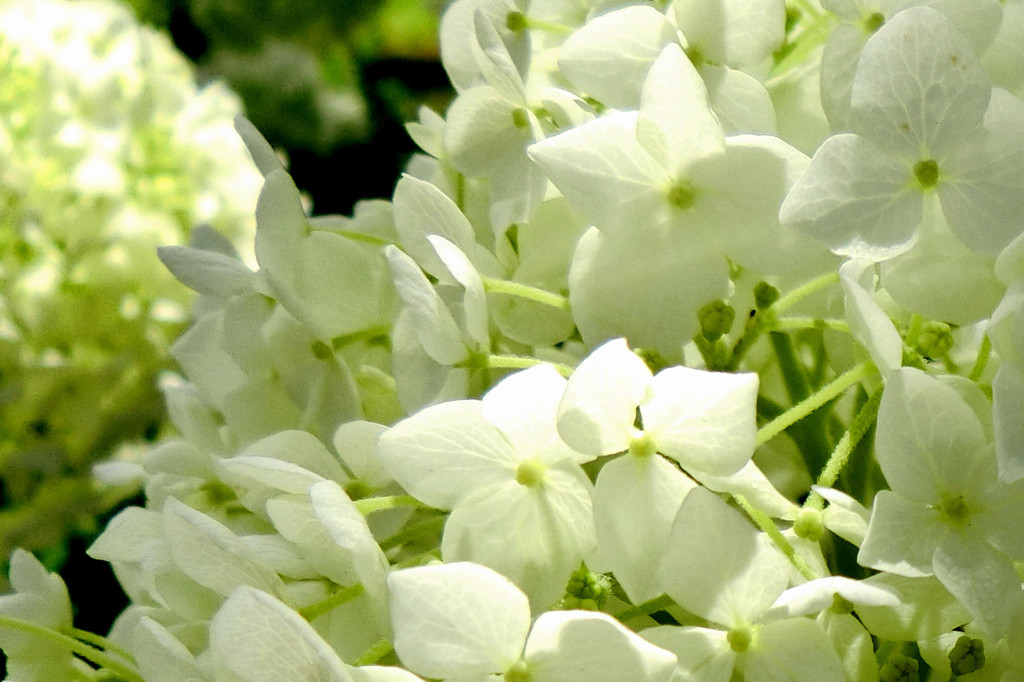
605, 173
609, 56
902, 536
703, 654
732, 32
704, 420
457, 619
855, 199
597, 411
568, 646
817, 595
446, 451
919, 88
480, 132
794, 650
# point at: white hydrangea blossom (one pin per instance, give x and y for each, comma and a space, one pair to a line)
579, 404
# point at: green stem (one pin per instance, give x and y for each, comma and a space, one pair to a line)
645, 608
984, 353
342, 596
765, 523
524, 362
504, 286
812, 403
790, 323
370, 505
804, 290
374, 653
100, 642
861, 424
86, 651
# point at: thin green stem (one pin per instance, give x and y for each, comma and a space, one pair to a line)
342, 596
790, 323
804, 290
827, 393
840, 456
984, 353
645, 608
77, 647
374, 653
370, 505
765, 523
100, 642
503, 286
524, 362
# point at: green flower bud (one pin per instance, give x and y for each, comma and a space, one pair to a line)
808, 525
515, 22
874, 22
716, 319
935, 339
586, 590
967, 655
765, 295
899, 668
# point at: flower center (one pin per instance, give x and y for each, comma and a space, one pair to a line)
927, 173
519, 672
874, 22
642, 446
521, 118
681, 195
740, 639
530, 473
954, 510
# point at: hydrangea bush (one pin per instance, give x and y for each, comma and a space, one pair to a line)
691, 348
107, 150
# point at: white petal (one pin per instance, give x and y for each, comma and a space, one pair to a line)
817, 595
446, 451
568, 646
928, 439
1007, 407
635, 502
732, 32
523, 406
422, 209
609, 56
258, 638
793, 650
704, 655
844, 516
902, 536
457, 619
739, 100
494, 59
474, 301
855, 199
919, 87
598, 409
716, 566
480, 133
869, 325
704, 420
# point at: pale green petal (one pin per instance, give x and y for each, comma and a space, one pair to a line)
676, 125
919, 89
982, 578
755, 487
457, 619
844, 516
739, 100
817, 595
524, 406
160, 656
926, 609
446, 451
422, 209
258, 638
493, 58
207, 272
1007, 407
704, 420
597, 412
280, 226
732, 32
432, 322
928, 438
838, 68
211, 554
569, 646
670, 273
605, 173
609, 56
457, 39
870, 326
716, 566
902, 536
536, 536
794, 650
635, 502
474, 301
703, 654
981, 188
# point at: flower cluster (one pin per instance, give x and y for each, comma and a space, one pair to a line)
107, 150
691, 348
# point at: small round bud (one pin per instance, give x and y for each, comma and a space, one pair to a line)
935, 339
899, 668
765, 295
967, 655
321, 351
586, 590
516, 22
874, 22
521, 118
808, 525
716, 319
